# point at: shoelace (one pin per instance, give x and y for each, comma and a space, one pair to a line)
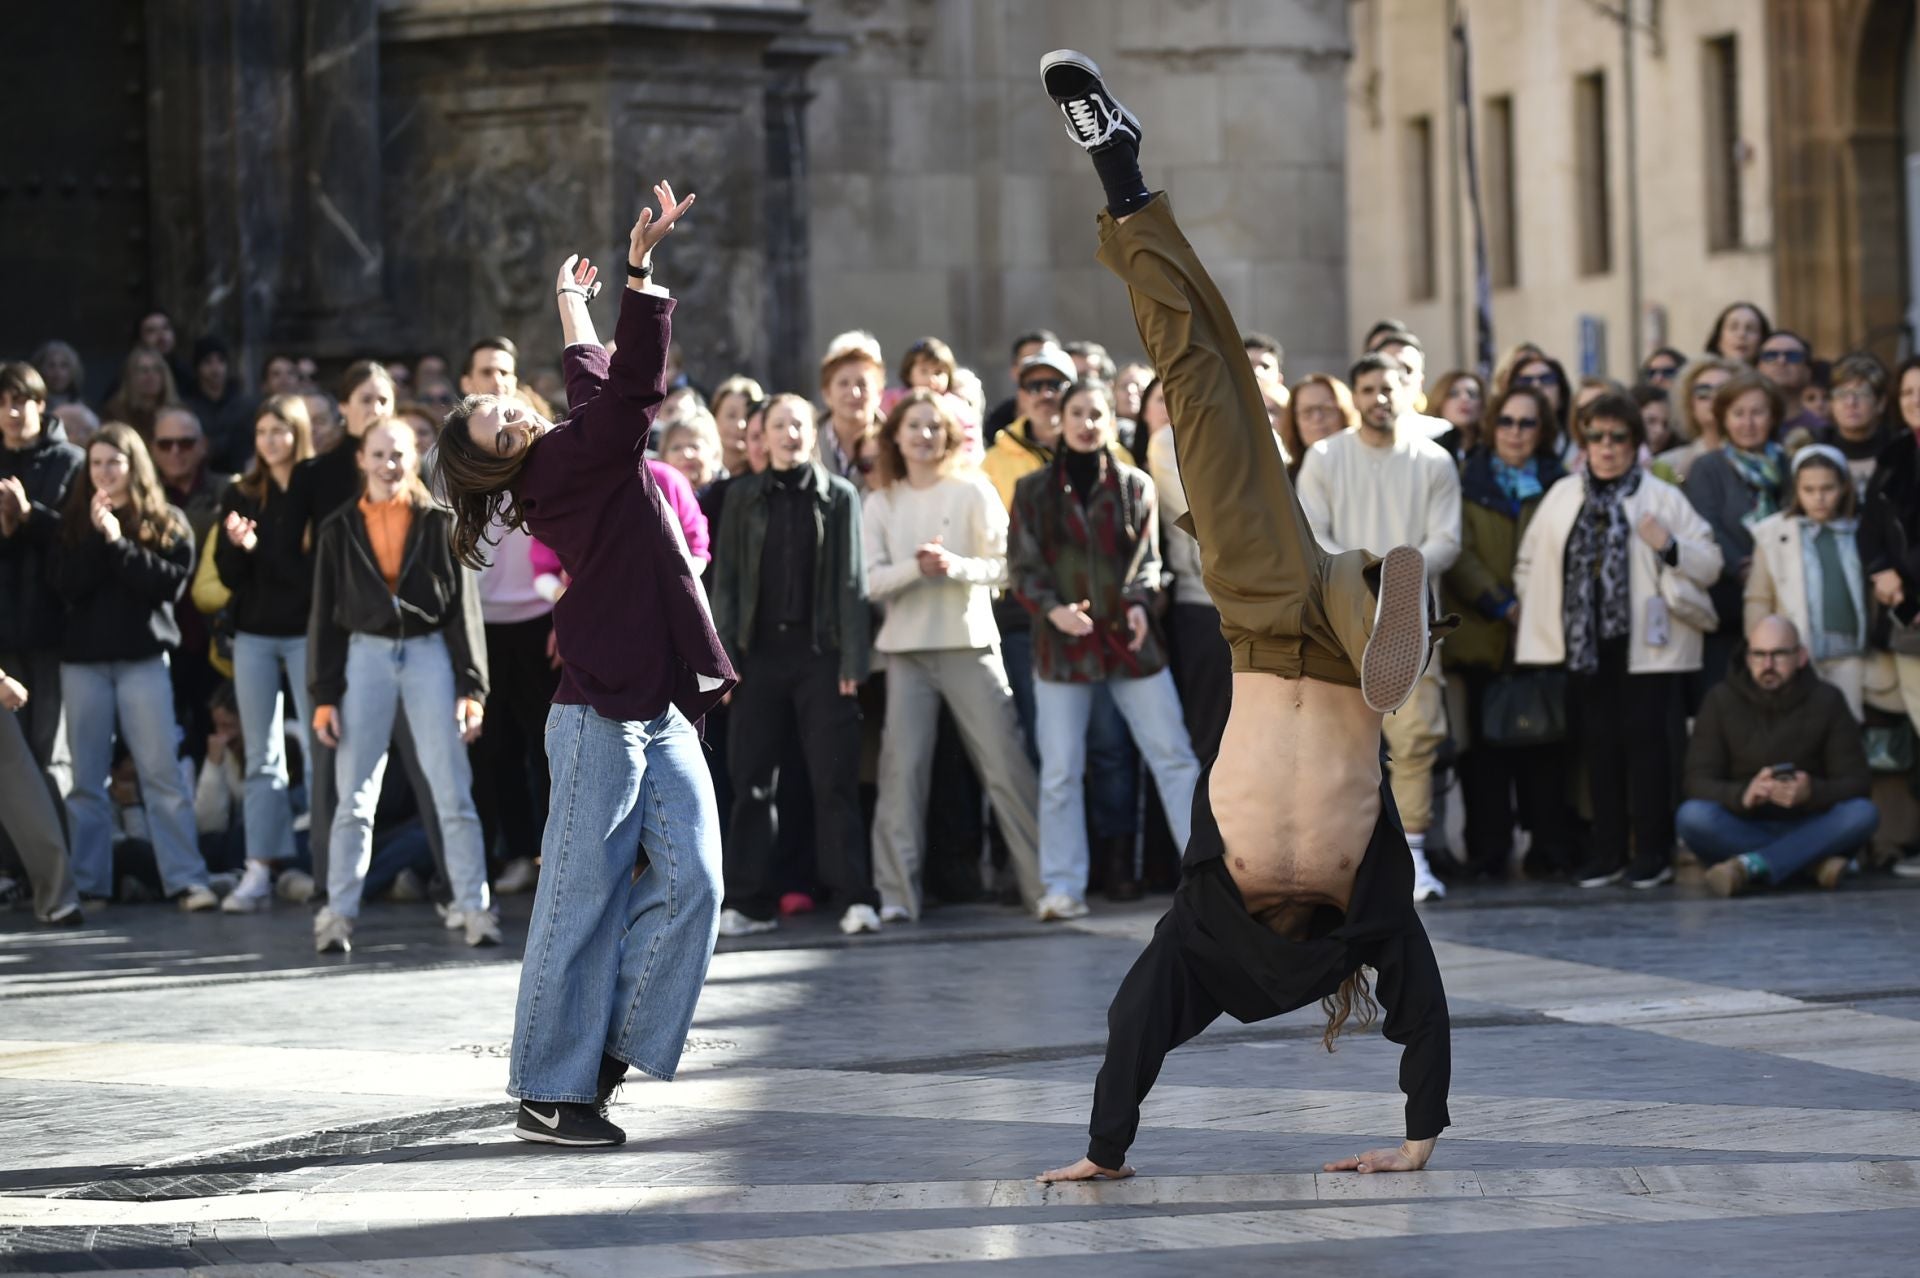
1081, 111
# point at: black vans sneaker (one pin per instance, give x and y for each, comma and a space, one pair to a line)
1095, 118
612, 1071
562, 1123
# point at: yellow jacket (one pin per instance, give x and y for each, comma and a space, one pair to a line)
1014, 456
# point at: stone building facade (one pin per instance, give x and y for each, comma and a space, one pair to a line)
1761, 153
347, 177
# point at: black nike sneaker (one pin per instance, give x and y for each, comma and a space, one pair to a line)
563, 1123
1095, 118
612, 1071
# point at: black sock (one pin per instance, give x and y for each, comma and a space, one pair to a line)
1119, 170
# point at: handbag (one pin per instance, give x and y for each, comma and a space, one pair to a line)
1525, 707
1688, 603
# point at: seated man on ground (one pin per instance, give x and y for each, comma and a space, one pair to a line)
1776, 776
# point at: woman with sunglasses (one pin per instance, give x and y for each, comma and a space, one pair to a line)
1502, 484
1588, 578
1545, 374
1735, 487
1692, 417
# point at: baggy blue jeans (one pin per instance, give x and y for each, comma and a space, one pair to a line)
615, 963
268, 811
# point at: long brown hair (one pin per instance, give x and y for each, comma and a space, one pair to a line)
893, 463
290, 411
1352, 1002
154, 521
124, 408
476, 485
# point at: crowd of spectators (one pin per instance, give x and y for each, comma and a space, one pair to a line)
977, 657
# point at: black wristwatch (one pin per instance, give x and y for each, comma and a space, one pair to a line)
639, 272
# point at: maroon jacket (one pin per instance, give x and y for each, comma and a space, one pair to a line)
634, 631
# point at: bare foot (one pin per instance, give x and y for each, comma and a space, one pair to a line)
1385, 1160
1085, 1169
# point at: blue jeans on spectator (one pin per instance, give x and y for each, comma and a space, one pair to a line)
1151, 709
1787, 845
140, 695
1114, 787
257, 664
381, 675
615, 963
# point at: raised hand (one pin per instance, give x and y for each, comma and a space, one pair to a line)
240, 530
578, 278
651, 229
103, 518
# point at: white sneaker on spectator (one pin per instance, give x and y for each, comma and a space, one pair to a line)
482, 928
332, 933
895, 914
1425, 886
518, 875
408, 888
1908, 867
295, 886
254, 893
1057, 906
303, 823
858, 919
734, 923
199, 899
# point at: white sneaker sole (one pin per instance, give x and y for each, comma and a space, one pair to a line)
543, 1138
1396, 654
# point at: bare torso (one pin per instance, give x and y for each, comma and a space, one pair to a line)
1296, 791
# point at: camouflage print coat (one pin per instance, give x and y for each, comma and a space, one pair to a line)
1105, 552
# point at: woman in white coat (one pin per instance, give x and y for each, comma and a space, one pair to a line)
1806, 568
1611, 579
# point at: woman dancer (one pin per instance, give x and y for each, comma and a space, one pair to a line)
1298, 873
396, 622
615, 957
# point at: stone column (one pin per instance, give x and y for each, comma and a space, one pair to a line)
522, 132
224, 141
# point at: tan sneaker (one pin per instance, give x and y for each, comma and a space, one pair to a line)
1829, 872
1728, 878
1398, 648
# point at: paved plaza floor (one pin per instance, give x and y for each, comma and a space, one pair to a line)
1644, 1083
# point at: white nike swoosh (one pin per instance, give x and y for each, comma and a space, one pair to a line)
552, 1124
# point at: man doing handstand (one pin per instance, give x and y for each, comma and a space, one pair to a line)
1298, 873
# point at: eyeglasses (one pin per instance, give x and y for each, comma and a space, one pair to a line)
1320, 411
1855, 395
1770, 656
1783, 357
1662, 372
1503, 422
1706, 390
1536, 380
1609, 437
1045, 386
175, 445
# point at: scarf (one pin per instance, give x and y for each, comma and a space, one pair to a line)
1598, 602
1761, 472
1836, 589
1519, 485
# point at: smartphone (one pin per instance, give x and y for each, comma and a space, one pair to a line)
1783, 771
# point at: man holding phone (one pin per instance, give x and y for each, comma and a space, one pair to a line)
1776, 776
